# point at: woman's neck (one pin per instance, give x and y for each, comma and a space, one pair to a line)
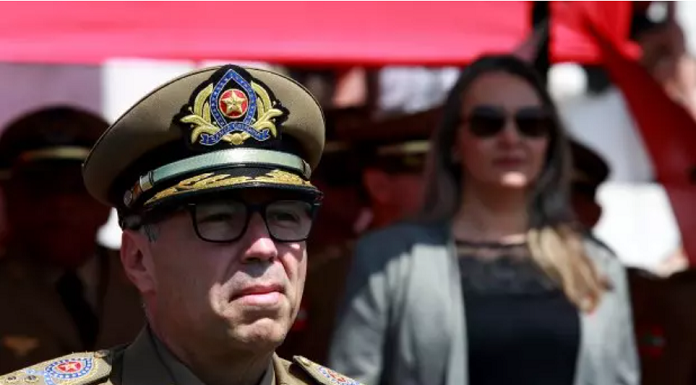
494, 215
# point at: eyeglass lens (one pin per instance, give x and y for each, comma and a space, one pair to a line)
286, 221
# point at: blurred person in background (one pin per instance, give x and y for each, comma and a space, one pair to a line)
392, 180
589, 172
329, 246
392, 153
61, 291
665, 318
369, 182
495, 282
678, 366
663, 298
665, 54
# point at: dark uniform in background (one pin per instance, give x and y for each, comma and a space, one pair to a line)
59, 291
195, 156
663, 307
396, 149
332, 239
665, 319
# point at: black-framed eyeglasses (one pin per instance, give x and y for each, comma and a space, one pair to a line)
228, 221
224, 221
489, 121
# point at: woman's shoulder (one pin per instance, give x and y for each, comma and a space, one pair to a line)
406, 233
395, 245
596, 245
400, 239
600, 253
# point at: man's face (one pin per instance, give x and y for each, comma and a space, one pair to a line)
397, 193
243, 294
407, 191
51, 215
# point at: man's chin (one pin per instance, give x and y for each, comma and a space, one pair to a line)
264, 332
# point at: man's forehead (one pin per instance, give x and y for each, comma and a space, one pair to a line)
252, 196
261, 195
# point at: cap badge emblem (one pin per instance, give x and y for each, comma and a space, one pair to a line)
232, 109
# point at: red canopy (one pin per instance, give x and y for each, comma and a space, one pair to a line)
305, 33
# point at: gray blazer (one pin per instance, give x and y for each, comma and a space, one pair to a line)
402, 321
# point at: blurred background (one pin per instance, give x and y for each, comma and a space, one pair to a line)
104, 57
382, 70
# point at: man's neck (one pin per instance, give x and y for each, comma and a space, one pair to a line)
229, 371
229, 368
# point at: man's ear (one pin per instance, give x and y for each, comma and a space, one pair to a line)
136, 259
377, 184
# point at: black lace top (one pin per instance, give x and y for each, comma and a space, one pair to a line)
521, 328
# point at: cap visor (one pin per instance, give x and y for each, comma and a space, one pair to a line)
232, 179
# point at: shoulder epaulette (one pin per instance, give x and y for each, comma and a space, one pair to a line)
323, 375
77, 369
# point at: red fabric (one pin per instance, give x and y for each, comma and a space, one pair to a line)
667, 128
304, 33
434, 33
570, 43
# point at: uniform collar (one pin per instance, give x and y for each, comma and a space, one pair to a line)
148, 360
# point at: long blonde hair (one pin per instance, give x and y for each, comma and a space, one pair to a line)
555, 242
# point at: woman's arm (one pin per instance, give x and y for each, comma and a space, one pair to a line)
626, 361
627, 367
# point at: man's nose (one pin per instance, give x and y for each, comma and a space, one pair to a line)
260, 244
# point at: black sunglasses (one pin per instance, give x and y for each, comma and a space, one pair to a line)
489, 121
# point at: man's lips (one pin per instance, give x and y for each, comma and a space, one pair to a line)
260, 294
260, 289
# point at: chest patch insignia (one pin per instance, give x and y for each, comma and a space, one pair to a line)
323, 375
69, 369
75, 369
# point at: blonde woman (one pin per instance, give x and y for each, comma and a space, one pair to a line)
495, 283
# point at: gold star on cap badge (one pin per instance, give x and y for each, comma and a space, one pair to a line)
233, 103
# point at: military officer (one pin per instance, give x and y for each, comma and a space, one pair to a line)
59, 291
392, 180
394, 153
210, 174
